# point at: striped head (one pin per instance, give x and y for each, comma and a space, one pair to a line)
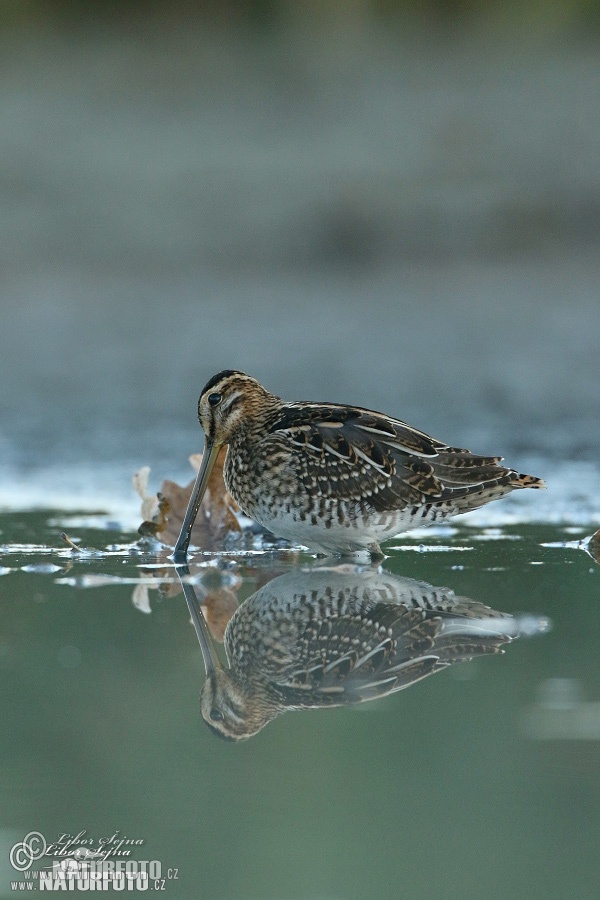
230, 404
234, 711
230, 401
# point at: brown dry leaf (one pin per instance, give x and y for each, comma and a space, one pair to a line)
218, 606
594, 546
218, 602
215, 519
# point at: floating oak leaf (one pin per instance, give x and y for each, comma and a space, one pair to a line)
163, 513
149, 501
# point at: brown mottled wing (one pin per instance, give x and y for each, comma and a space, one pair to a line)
349, 659
356, 454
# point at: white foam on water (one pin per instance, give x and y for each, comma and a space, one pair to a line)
106, 490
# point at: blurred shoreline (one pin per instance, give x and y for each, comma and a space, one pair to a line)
407, 220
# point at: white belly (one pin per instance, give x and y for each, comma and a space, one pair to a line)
329, 535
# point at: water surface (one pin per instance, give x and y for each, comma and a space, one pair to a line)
478, 781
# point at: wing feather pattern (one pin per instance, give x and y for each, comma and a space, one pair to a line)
349, 659
356, 454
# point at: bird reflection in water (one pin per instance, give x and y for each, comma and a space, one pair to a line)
328, 637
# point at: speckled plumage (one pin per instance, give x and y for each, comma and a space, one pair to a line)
330, 637
338, 479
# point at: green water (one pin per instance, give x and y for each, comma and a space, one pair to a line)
480, 781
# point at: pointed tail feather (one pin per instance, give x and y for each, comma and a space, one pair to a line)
528, 481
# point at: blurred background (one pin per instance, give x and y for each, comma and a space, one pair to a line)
394, 204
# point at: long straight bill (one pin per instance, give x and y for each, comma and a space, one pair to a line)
211, 451
210, 659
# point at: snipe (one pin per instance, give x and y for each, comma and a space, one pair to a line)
335, 637
337, 479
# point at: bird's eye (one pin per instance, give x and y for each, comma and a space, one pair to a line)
214, 399
216, 714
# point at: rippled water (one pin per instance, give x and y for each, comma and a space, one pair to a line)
480, 780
